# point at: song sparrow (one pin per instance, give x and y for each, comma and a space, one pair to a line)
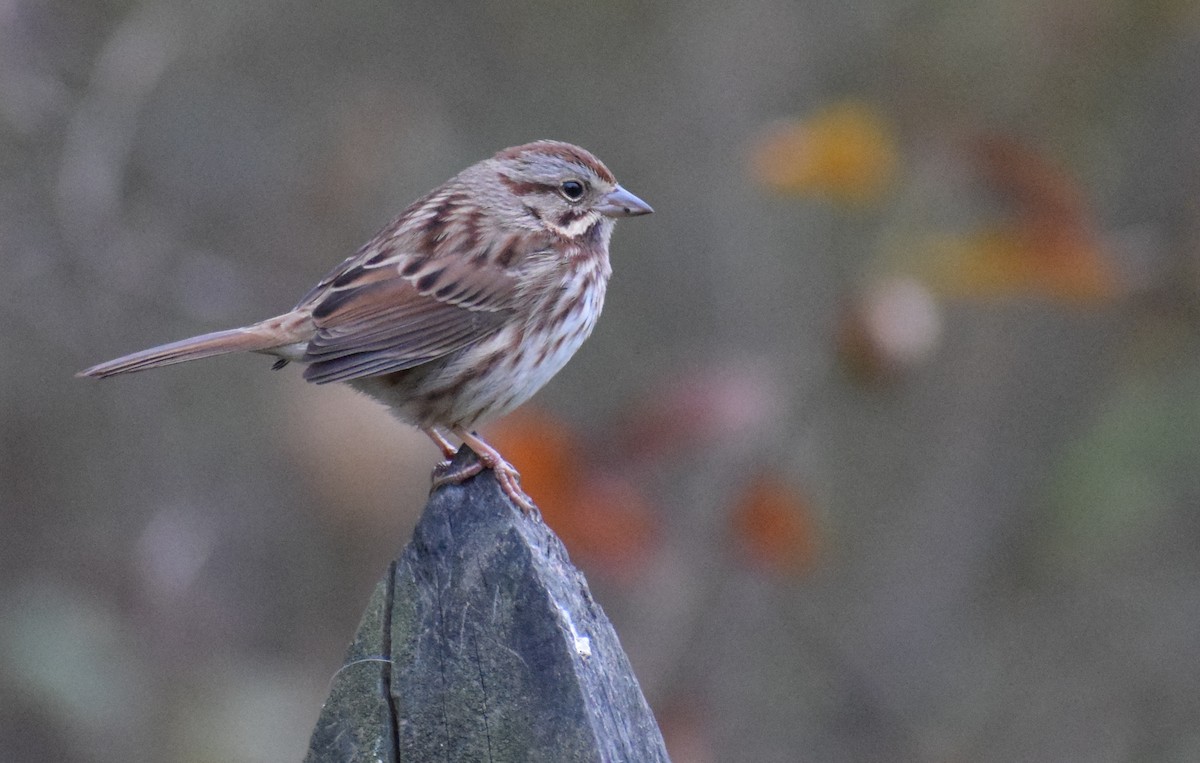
461, 308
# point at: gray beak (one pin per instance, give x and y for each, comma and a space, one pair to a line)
621, 203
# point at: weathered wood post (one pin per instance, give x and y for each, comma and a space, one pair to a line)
483, 643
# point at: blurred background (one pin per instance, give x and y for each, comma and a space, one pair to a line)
886, 447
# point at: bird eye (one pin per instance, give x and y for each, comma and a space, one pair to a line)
572, 190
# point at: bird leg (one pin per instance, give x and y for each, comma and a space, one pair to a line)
445, 445
487, 458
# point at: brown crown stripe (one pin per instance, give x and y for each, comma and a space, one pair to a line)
564, 151
587, 160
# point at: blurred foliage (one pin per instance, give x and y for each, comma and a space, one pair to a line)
604, 518
884, 449
845, 152
1122, 478
1048, 246
775, 526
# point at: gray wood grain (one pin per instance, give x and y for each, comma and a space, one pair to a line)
483, 643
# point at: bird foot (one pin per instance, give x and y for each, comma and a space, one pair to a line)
446, 473
510, 483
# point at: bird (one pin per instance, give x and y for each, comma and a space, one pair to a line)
458, 310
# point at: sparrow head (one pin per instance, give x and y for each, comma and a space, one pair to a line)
563, 188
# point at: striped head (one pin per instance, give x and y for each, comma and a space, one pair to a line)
554, 187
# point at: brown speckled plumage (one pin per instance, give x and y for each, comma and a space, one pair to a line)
461, 308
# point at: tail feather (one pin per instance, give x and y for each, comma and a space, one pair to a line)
259, 337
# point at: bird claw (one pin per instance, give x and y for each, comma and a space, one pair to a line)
445, 474
506, 475
510, 483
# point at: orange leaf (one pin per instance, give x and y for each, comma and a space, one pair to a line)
547, 454
601, 518
1047, 247
1042, 193
1008, 261
775, 526
613, 526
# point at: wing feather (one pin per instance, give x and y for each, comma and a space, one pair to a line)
422, 289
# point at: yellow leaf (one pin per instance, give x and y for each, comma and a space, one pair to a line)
844, 152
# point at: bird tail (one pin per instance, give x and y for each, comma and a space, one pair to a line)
275, 333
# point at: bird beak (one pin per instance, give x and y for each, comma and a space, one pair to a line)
621, 203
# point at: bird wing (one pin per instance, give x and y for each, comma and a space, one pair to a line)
425, 287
